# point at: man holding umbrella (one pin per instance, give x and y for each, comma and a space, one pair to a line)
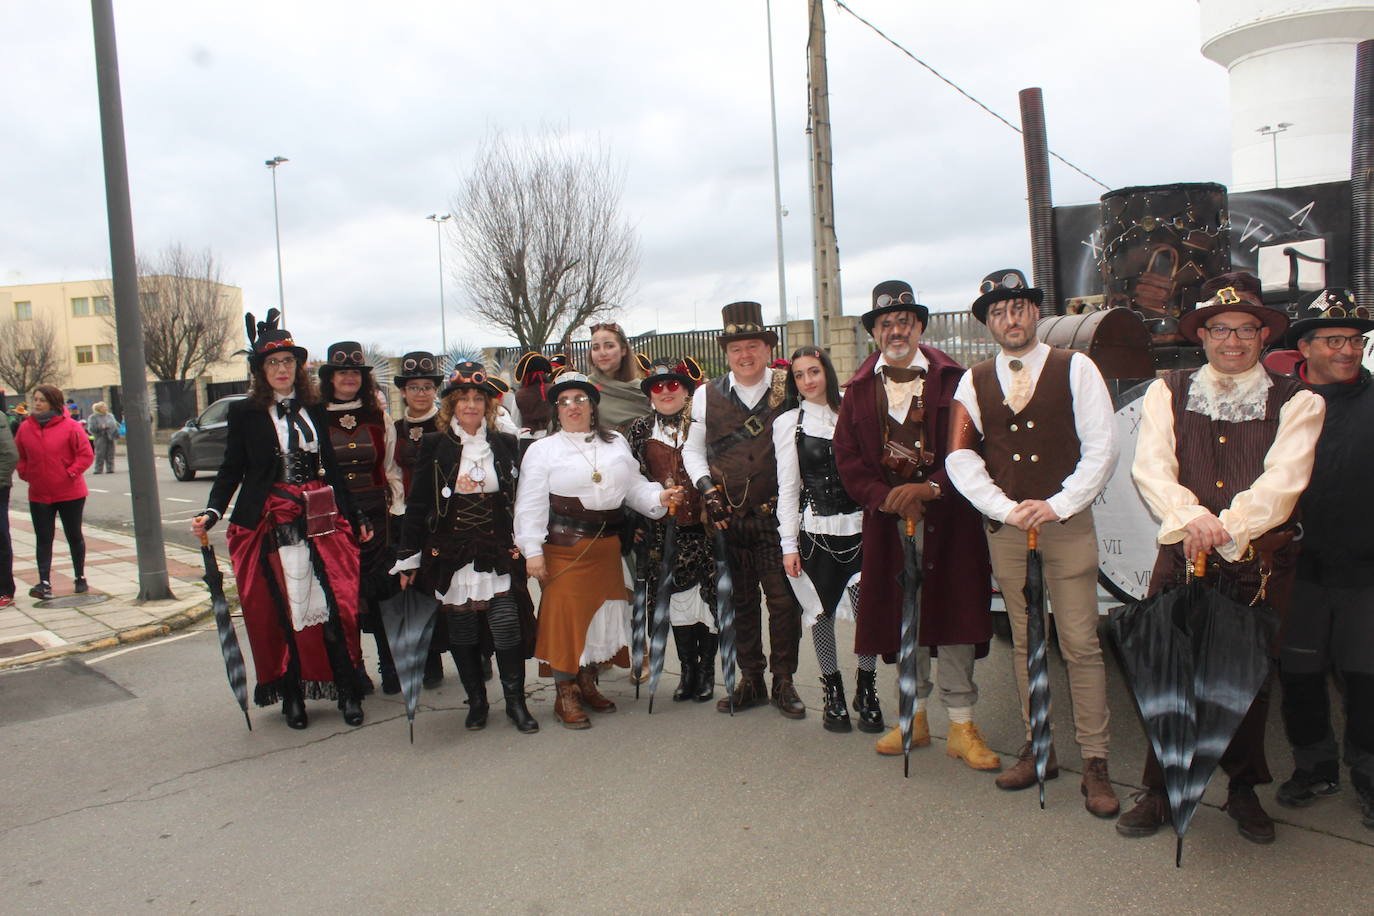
1222, 456
1031, 446
901, 395
1335, 577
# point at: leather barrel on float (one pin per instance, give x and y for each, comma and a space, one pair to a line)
1115, 339
1159, 243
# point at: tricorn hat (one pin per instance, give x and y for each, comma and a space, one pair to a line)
685, 372
1329, 308
346, 354
418, 365
744, 321
265, 338
1001, 285
1234, 292
894, 296
570, 379
468, 374
530, 366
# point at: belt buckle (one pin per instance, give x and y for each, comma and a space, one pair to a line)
753, 426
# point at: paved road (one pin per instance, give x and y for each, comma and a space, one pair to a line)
130, 784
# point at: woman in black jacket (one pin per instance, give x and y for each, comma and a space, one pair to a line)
290, 535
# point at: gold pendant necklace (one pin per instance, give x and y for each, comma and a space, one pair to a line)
591, 462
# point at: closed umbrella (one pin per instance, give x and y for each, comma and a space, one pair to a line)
1037, 664
906, 651
725, 613
228, 639
658, 635
639, 611
408, 617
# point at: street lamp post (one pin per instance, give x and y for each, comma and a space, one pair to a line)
439, 219
276, 224
1273, 134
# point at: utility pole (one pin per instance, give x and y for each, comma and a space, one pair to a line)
153, 584
777, 180
439, 219
276, 226
825, 248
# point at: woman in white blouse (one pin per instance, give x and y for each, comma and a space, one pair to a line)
457, 541
821, 529
568, 516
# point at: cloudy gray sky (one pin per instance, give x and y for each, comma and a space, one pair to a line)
380, 108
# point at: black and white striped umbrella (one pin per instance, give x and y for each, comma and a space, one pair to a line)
906, 650
639, 608
725, 612
658, 636
228, 639
1037, 664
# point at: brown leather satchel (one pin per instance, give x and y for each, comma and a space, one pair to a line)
905, 462
320, 512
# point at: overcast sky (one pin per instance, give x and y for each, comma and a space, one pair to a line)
380, 108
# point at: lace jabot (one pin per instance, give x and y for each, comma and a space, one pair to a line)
1230, 398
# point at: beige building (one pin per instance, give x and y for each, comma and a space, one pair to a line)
81, 316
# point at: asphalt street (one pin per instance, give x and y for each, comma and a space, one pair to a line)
131, 784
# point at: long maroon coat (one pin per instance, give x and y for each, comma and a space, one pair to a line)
957, 589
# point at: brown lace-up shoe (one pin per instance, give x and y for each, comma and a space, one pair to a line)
1022, 775
1251, 820
1151, 811
1099, 796
749, 691
568, 706
786, 699
592, 697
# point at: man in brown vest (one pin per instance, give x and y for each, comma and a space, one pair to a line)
729, 453
1031, 445
1222, 456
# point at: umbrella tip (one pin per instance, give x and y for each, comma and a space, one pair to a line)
412, 732
651, 706
248, 720
906, 766
1178, 854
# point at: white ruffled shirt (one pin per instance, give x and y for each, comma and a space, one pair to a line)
817, 420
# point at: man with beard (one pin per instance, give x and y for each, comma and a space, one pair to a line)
1031, 446
731, 457
1332, 624
891, 439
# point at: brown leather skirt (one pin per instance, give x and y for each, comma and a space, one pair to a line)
582, 577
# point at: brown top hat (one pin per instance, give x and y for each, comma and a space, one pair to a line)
1238, 298
744, 321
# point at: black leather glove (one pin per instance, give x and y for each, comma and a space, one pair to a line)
716, 509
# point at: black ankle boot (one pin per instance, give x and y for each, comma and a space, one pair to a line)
866, 702
470, 673
687, 660
352, 708
834, 715
511, 663
293, 704
706, 664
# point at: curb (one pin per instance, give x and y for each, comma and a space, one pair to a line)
168, 625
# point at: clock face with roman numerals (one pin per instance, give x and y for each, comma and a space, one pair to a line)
1125, 529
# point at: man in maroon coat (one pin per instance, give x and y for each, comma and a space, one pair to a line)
890, 445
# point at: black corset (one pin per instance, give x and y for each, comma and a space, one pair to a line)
821, 487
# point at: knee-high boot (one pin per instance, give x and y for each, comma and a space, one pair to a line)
686, 639
470, 673
511, 664
706, 663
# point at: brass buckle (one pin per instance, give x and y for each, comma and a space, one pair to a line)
753, 426
1227, 295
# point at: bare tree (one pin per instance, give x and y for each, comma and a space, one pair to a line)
541, 239
29, 354
188, 324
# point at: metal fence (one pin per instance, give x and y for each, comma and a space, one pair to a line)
960, 335
700, 345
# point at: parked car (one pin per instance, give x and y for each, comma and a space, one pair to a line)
199, 445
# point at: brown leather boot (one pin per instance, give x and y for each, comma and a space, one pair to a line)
1022, 775
568, 706
785, 697
1099, 796
749, 691
592, 698
1252, 821
1151, 811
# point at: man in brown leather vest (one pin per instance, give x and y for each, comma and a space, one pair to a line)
1032, 444
729, 453
1222, 456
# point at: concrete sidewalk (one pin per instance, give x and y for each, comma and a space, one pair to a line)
107, 615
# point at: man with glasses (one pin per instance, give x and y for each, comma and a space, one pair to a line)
1032, 444
1222, 455
1332, 625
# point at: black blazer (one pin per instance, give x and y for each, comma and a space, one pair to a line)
250, 464
443, 448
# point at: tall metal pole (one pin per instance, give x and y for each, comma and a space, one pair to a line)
1035, 148
777, 180
439, 237
826, 249
153, 584
276, 225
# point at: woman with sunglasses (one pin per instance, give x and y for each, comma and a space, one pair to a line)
821, 528
291, 534
568, 518
616, 373
656, 442
457, 542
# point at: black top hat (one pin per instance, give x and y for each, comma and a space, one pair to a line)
1001, 285
1239, 298
744, 321
468, 374
346, 354
531, 365
265, 338
894, 296
1329, 308
418, 365
569, 379
685, 372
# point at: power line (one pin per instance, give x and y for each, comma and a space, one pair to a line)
957, 88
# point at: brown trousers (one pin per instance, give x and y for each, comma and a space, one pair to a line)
756, 560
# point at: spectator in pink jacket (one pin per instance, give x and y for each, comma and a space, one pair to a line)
54, 454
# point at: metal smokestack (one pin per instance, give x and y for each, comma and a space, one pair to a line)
1038, 195
1362, 178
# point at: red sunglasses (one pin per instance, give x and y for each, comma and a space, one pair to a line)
666, 385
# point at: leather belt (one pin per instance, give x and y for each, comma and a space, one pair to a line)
298, 467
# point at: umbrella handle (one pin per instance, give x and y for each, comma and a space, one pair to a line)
204, 539
1200, 565
1032, 539
910, 528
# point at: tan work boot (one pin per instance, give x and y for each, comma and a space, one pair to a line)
1100, 797
592, 697
568, 706
966, 743
890, 745
1022, 775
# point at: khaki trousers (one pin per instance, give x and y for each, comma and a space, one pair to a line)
1069, 553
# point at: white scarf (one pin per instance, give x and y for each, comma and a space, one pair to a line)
1230, 398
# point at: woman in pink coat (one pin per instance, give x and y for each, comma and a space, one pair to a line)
54, 454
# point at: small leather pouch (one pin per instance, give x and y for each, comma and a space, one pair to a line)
320, 512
